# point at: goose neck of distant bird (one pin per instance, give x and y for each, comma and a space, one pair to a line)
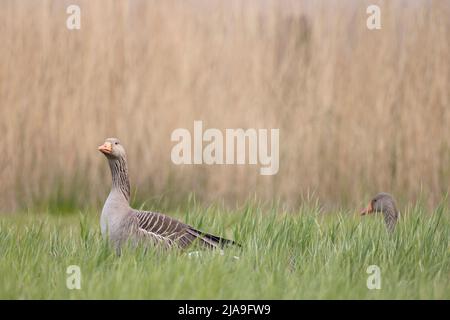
120, 180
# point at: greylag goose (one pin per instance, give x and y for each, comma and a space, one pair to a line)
120, 223
384, 203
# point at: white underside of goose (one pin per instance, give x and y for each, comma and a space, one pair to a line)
199, 254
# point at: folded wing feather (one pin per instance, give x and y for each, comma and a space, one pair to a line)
170, 232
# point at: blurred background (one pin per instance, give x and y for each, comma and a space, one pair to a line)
359, 111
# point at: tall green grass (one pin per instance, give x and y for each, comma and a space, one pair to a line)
284, 255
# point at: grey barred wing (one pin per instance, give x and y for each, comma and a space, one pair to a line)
164, 229
171, 232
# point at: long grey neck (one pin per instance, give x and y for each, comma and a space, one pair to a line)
119, 173
390, 214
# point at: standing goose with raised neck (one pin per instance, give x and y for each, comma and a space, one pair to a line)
384, 203
121, 223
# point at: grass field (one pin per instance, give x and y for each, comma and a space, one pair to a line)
295, 255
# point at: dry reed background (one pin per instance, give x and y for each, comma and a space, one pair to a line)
359, 111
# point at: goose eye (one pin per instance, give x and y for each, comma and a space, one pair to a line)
116, 143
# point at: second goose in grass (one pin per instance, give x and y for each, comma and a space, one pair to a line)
120, 223
384, 203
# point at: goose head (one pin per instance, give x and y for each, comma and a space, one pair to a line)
112, 149
383, 203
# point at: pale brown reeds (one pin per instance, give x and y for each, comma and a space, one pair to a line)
359, 111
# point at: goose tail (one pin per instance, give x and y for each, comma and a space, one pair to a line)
212, 240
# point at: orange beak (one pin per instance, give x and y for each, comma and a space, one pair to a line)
368, 209
105, 148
